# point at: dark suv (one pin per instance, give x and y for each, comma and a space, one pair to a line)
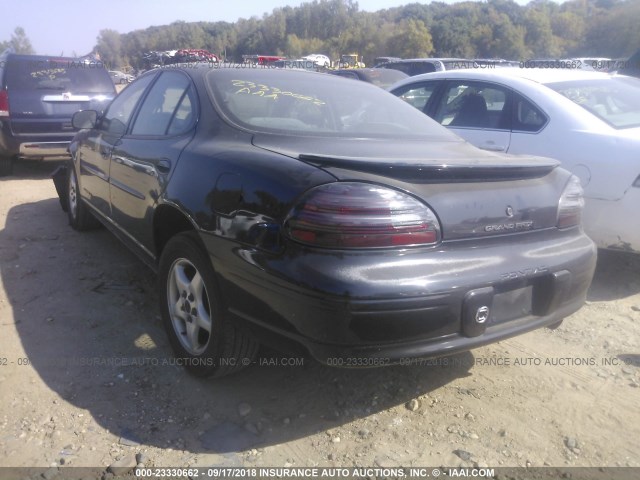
38, 96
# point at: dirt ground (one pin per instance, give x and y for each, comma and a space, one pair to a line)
87, 379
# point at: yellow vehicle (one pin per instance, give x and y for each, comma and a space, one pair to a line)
352, 60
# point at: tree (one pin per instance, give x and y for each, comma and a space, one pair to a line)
539, 36
19, 42
274, 31
615, 32
508, 39
413, 40
110, 47
294, 47
569, 28
494, 28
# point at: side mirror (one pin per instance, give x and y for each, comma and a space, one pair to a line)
84, 119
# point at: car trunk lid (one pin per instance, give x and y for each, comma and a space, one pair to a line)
417, 161
474, 193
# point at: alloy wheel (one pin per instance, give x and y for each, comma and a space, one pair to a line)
189, 308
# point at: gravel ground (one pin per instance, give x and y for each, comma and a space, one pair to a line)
87, 376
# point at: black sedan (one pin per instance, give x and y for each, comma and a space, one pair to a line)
295, 208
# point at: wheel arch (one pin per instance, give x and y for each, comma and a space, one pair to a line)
168, 221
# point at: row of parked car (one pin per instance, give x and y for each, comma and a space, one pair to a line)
314, 213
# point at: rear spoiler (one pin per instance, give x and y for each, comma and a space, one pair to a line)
431, 173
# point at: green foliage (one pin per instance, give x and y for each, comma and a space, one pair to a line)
109, 47
614, 30
471, 29
412, 41
19, 42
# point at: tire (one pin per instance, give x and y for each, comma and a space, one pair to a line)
80, 218
204, 339
6, 166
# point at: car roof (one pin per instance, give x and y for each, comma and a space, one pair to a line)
538, 75
511, 75
553, 75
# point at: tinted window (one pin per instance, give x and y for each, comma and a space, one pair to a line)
527, 117
57, 74
412, 68
184, 115
119, 113
616, 100
157, 110
418, 68
474, 105
309, 103
401, 67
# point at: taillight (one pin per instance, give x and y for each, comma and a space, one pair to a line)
571, 204
4, 103
361, 215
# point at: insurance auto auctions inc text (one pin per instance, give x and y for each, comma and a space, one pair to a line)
348, 473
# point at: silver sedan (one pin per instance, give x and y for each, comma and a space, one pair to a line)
587, 120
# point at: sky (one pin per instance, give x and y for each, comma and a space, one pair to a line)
72, 26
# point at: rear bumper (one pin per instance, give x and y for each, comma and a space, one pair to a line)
380, 308
402, 353
45, 150
34, 146
610, 223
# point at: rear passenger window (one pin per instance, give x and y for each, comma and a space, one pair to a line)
527, 117
166, 98
475, 105
184, 115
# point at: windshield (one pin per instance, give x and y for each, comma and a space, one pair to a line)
294, 102
58, 74
616, 100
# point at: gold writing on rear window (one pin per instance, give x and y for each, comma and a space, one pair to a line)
244, 87
50, 73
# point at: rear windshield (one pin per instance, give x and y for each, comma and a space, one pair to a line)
293, 102
412, 68
616, 100
58, 75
